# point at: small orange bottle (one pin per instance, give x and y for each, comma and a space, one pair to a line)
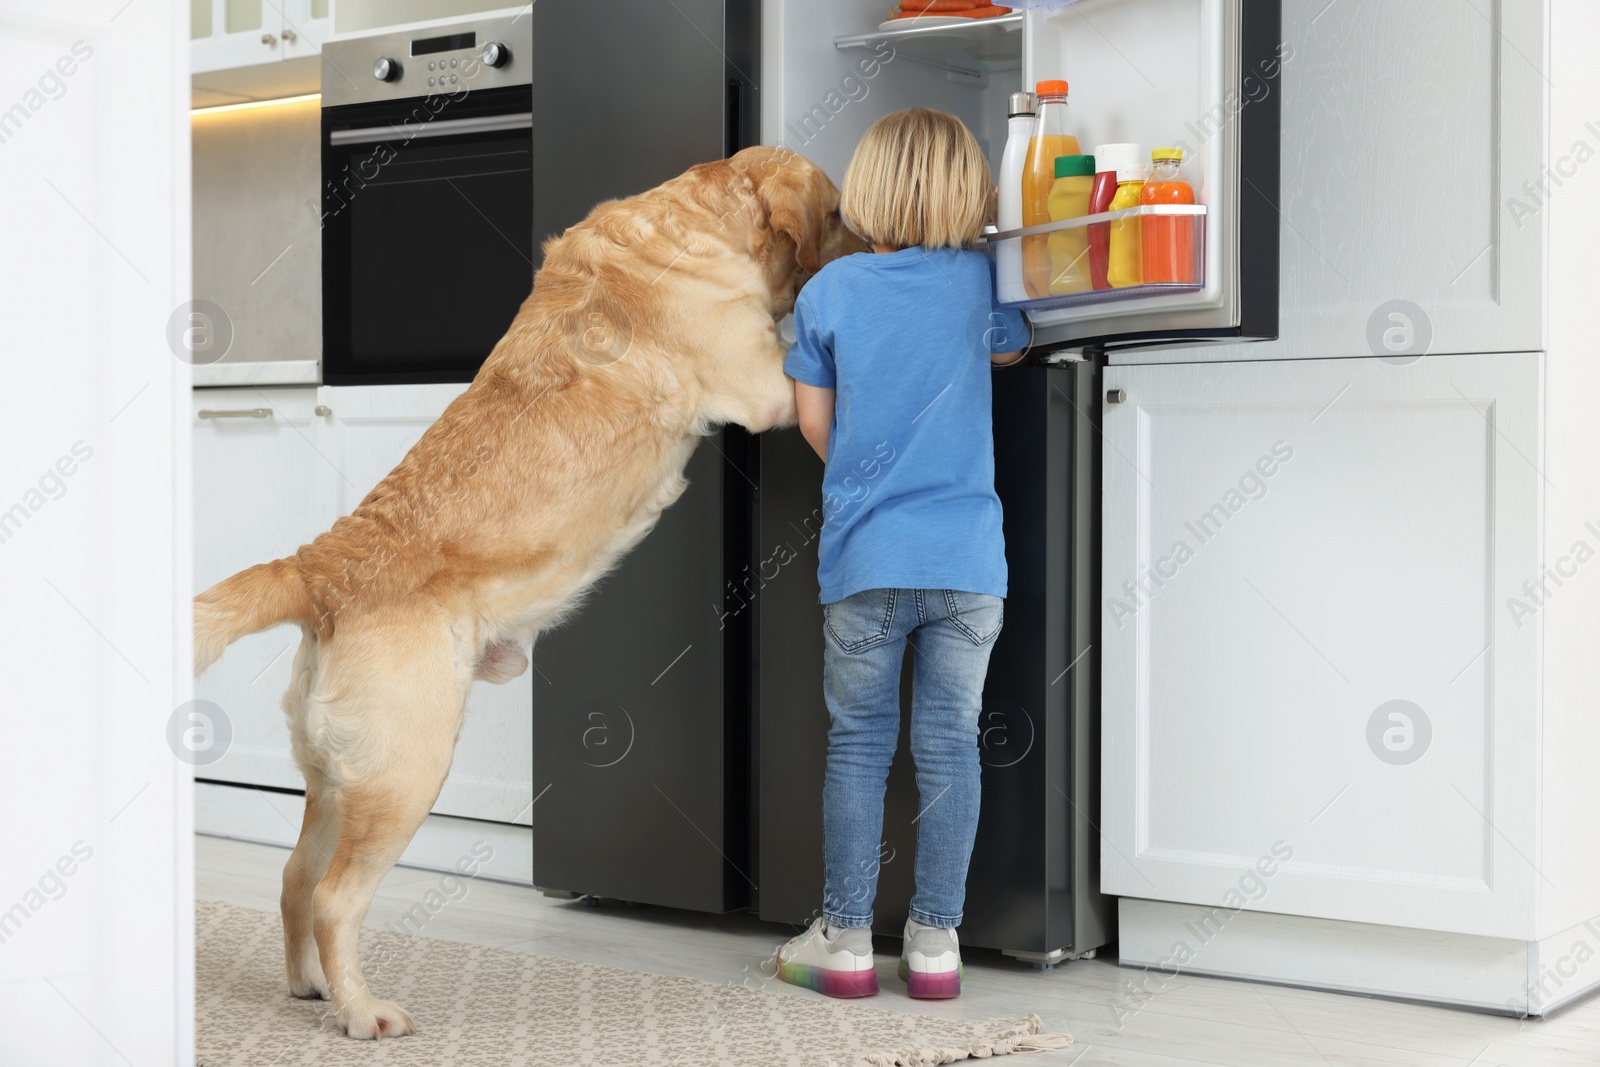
1168, 239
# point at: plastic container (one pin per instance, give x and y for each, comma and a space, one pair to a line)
1050, 139
1168, 240
1191, 215
1107, 158
1069, 249
1008, 262
1125, 265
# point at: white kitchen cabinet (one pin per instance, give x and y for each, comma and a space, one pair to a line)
1348, 673
266, 485
226, 34
1415, 173
1290, 549
256, 498
1429, 540
367, 431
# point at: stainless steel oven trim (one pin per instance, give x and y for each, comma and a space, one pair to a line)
347, 62
437, 128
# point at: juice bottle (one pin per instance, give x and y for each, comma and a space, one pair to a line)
1107, 158
1050, 139
1168, 244
1069, 249
1124, 266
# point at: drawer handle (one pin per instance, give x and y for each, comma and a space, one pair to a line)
237, 413
1116, 396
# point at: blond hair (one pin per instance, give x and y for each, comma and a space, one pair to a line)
918, 178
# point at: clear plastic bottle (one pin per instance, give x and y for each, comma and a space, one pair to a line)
1050, 139
1168, 240
1008, 266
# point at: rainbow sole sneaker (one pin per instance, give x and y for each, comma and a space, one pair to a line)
841, 967
930, 963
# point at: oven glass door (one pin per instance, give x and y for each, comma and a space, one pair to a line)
428, 246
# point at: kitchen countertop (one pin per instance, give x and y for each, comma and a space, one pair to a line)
259, 372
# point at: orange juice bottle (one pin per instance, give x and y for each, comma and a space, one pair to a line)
1050, 139
1168, 244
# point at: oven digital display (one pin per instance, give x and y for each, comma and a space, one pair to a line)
429, 45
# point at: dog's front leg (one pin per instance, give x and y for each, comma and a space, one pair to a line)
754, 392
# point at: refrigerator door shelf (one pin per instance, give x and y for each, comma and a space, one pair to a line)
1193, 218
1205, 76
968, 46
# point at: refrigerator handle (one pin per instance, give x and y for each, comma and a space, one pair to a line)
733, 112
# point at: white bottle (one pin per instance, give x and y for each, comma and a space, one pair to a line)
1008, 265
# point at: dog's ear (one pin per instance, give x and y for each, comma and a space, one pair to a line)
793, 203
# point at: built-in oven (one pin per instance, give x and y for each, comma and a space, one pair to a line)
428, 244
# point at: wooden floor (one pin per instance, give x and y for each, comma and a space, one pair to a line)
1192, 1021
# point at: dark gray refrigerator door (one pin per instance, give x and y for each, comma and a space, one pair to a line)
630, 93
630, 734
641, 700
1032, 885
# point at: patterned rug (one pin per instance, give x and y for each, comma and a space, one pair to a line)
488, 1007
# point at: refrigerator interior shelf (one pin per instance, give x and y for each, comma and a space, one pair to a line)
978, 47
1186, 224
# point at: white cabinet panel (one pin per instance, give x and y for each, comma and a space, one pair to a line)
231, 34
256, 498
368, 430
1308, 660
1413, 131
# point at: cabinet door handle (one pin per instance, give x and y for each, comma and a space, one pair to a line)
268, 39
322, 409
1116, 396
237, 413
288, 36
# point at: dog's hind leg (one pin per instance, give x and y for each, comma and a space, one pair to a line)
319, 838
319, 833
389, 749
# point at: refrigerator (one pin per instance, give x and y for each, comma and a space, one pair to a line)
1202, 74
641, 710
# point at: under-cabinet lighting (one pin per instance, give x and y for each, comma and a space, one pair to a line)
255, 103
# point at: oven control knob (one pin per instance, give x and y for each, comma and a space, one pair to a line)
495, 54
386, 69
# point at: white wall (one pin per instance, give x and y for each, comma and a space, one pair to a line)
96, 895
1570, 220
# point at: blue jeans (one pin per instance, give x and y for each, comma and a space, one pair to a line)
864, 641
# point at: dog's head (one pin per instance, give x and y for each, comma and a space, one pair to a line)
804, 231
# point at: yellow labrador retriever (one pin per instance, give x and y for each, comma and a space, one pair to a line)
651, 323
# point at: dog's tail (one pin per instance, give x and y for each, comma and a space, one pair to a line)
250, 601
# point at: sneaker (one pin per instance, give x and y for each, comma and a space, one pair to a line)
835, 962
930, 962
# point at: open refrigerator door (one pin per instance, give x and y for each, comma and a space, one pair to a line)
1201, 75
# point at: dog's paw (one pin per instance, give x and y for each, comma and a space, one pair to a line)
315, 988
374, 1020
307, 981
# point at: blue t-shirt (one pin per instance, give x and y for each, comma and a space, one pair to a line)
908, 489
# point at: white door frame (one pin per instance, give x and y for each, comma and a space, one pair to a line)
96, 881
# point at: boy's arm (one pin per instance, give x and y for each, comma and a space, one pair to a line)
815, 405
